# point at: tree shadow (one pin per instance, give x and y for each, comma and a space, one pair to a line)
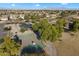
17, 39
32, 50
37, 34
1, 40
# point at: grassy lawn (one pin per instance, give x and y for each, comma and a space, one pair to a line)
27, 38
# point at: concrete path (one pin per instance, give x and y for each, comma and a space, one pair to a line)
50, 49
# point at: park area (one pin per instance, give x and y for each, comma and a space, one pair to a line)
40, 48
45, 37
66, 45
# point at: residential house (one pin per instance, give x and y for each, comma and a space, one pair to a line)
21, 16
13, 16
4, 17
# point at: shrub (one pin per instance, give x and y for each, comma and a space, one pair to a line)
22, 30
33, 50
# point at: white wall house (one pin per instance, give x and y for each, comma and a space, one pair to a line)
21, 16
53, 15
13, 16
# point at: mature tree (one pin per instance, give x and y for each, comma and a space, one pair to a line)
46, 30
35, 27
60, 25
9, 47
50, 33
75, 24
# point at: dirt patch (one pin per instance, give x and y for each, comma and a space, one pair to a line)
68, 45
50, 48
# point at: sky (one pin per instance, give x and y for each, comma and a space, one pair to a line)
38, 5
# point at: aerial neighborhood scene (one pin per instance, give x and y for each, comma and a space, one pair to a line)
43, 29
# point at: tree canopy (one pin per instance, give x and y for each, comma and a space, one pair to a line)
60, 25
9, 47
75, 24
47, 31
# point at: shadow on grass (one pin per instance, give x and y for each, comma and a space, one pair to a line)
32, 50
1, 40
37, 34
